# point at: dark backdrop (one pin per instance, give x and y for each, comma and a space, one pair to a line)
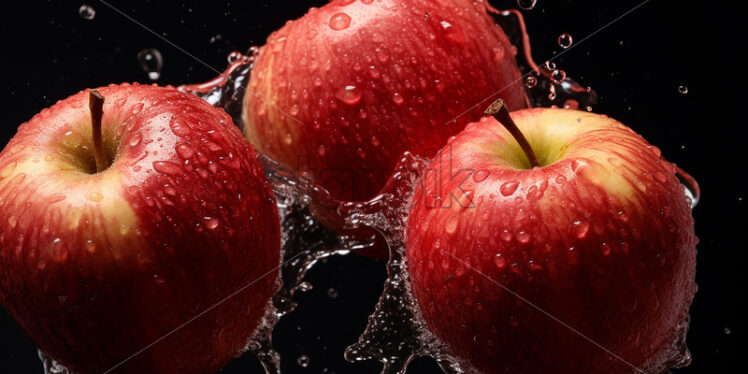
636, 64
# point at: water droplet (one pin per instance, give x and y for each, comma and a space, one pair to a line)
90, 246
605, 249
135, 140
499, 261
185, 151
233, 57
558, 76
294, 110
451, 225
8, 170
87, 12
508, 188
215, 38
531, 81
179, 128
211, 223
349, 95
397, 98
581, 228
166, 167
288, 139
480, 175
12, 222
303, 361
526, 4
683, 90
95, 197
340, 21
565, 40
571, 104
523, 237
506, 235
151, 62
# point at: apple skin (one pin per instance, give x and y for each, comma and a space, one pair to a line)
95, 267
601, 238
344, 91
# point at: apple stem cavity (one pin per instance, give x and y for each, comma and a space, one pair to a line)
499, 111
96, 106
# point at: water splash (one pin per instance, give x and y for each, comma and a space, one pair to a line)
547, 85
227, 90
396, 333
51, 366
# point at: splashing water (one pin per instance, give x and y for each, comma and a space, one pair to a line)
227, 90
51, 366
396, 332
547, 86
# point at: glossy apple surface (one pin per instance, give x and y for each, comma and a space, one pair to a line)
600, 237
97, 266
346, 89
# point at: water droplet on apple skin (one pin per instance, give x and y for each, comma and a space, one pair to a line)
95, 197
340, 21
350, 95
211, 223
508, 188
581, 228
185, 151
167, 167
135, 140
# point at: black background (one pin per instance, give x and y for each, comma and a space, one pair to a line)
636, 65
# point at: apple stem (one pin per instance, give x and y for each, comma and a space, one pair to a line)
96, 106
499, 111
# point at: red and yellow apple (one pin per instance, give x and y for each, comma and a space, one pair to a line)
584, 264
100, 264
344, 91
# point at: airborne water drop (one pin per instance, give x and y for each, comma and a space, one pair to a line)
526, 4
87, 12
151, 62
565, 40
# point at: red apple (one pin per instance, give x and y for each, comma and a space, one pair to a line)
344, 91
584, 264
98, 263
